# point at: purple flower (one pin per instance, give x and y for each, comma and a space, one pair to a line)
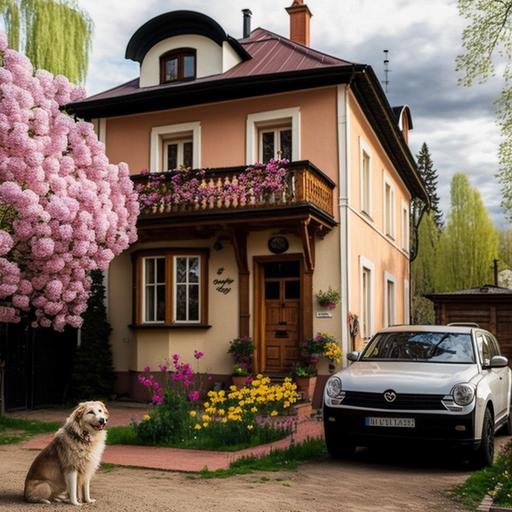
198, 354
146, 369
194, 396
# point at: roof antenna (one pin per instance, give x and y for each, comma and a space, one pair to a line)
386, 71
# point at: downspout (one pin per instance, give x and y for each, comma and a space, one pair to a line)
343, 204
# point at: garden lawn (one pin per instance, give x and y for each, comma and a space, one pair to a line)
127, 435
13, 430
495, 481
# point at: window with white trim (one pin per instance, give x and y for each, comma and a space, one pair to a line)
405, 227
154, 289
175, 146
275, 143
171, 287
390, 304
366, 179
187, 283
389, 209
366, 303
177, 153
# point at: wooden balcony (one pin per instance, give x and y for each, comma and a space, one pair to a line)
306, 190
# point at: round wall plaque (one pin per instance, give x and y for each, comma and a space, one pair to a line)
278, 244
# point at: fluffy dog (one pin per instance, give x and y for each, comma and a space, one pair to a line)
63, 470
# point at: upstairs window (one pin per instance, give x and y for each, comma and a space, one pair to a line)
389, 209
178, 65
275, 143
365, 182
178, 153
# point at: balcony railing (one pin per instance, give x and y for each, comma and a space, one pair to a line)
215, 191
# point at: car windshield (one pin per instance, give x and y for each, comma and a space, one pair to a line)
431, 347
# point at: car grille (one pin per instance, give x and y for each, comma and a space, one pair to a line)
403, 401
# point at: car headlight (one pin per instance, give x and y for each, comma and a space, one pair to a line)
463, 394
333, 387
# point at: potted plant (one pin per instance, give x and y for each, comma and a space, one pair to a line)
328, 299
242, 351
305, 378
239, 376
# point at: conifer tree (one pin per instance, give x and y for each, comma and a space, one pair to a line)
430, 177
93, 375
469, 243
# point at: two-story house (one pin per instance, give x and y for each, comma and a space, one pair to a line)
200, 276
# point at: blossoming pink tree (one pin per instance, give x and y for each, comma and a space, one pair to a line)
64, 209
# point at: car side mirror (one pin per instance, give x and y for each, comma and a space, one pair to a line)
498, 362
353, 356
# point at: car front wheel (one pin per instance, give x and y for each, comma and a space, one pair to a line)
337, 447
484, 455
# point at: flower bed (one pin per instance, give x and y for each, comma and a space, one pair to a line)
228, 419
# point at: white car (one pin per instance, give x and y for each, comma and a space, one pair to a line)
421, 383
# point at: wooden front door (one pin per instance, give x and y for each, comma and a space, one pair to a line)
282, 288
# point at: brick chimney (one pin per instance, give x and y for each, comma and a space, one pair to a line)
300, 17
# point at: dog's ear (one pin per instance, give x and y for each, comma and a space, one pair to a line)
104, 408
80, 411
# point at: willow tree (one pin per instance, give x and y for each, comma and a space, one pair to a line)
469, 243
55, 35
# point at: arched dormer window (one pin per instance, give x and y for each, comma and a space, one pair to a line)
179, 64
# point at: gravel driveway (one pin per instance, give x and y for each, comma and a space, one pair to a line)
370, 482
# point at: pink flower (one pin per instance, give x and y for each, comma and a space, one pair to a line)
194, 396
198, 355
147, 369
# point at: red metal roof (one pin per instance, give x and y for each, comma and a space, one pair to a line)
271, 54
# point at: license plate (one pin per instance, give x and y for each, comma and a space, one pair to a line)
390, 422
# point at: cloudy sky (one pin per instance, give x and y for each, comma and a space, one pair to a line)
423, 39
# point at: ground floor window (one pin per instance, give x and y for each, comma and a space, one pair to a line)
366, 309
389, 300
171, 288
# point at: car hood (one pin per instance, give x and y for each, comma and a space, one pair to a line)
424, 378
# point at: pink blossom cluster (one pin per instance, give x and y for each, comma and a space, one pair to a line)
176, 373
64, 209
187, 187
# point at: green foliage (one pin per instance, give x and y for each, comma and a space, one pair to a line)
423, 270
430, 177
469, 243
495, 481
506, 247
287, 459
13, 430
487, 43
93, 375
169, 422
330, 296
57, 34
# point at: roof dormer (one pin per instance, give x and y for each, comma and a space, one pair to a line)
182, 45
404, 119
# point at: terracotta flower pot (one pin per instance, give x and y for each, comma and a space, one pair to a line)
306, 386
239, 380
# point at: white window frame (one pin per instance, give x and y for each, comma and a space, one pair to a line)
144, 285
259, 120
389, 231
364, 148
389, 278
277, 139
160, 133
175, 289
365, 263
405, 226
407, 308
180, 142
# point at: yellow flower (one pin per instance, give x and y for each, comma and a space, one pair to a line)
286, 404
197, 426
250, 427
146, 417
205, 417
254, 409
205, 424
221, 412
193, 414
274, 413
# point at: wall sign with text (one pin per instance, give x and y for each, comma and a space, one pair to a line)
222, 283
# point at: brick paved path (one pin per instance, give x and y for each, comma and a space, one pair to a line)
171, 459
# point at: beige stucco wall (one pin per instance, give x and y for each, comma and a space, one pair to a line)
367, 238
223, 130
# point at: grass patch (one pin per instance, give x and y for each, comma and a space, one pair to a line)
127, 435
278, 460
14, 430
478, 484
